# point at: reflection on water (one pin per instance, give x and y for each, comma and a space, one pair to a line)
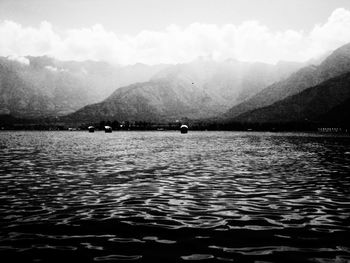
163, 196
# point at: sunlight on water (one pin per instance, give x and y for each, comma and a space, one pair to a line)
138, 196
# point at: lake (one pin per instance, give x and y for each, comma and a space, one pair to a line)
171, 197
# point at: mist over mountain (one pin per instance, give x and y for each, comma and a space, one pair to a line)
337, 63
42, 86
200, 89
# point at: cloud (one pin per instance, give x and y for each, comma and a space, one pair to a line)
21, 41
21, 60
249, 41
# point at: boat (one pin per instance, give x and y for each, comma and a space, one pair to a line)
184, 128
91, 129
108, 129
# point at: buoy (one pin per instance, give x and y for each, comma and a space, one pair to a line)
108, 129
184, 128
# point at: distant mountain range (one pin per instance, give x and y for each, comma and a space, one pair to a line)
200, 89
255, 108
49, 87
226, 91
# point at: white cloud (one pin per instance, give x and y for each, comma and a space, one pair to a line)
21, 60
22, 41
250, 41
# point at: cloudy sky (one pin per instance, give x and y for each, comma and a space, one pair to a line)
168, 31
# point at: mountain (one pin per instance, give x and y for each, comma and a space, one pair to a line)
338, 116
200, 89
48, 87
325, 102
149, 101
228, 82
17, 95
337, 63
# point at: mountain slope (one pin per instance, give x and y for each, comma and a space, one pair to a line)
49, 87
312, 104
228, 82
159, 100
18, 96
334, 65
201, 89
339, 115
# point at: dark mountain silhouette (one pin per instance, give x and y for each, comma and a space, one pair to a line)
326, 102
338, 116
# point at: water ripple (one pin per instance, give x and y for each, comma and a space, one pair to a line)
150, 196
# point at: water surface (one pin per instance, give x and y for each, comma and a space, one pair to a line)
171, 197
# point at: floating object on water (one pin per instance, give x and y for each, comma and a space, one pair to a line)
184, 128
91, 129
108, 129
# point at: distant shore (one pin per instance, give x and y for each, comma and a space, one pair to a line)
8, 122
323, 130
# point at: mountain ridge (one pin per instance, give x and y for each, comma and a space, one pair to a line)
200, 89
48, 87
337, 63
309, 105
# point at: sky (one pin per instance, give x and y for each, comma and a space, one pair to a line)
164, 31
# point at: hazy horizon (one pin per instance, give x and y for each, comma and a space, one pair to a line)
154, 32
